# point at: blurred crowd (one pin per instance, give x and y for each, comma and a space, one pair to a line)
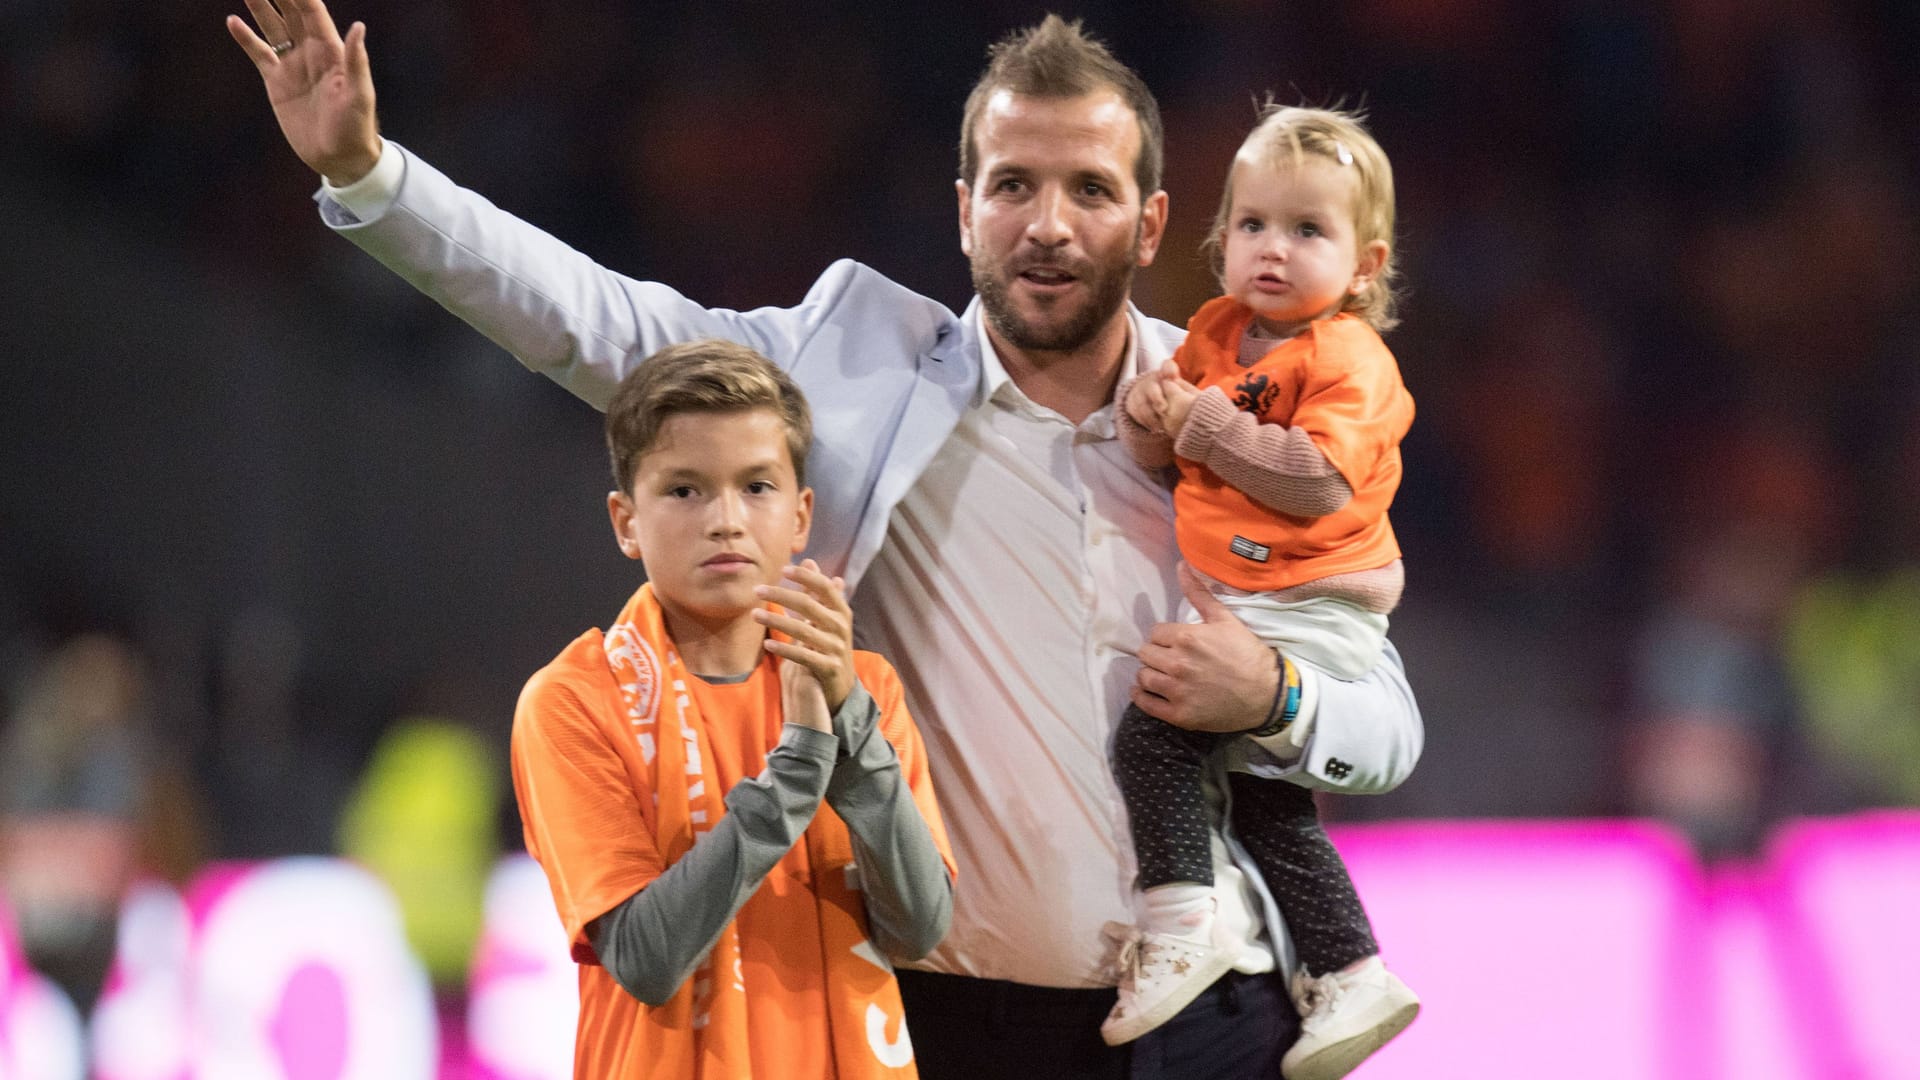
279, 540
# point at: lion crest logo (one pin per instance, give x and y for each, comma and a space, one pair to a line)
1255, 394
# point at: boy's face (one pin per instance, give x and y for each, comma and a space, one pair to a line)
715, 510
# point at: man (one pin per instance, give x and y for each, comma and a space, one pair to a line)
1006, 554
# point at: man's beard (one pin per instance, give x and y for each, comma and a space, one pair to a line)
1108, 288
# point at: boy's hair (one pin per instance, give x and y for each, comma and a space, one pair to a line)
1285, 137
707, 376
1057, 59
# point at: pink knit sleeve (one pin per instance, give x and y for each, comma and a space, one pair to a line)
1152, 449
1272, 464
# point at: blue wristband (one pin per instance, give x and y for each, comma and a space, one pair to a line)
1286, 701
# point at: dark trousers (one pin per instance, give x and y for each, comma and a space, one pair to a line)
1159, 768
984, 1029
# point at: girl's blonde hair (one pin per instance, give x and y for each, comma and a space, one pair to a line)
1285, 137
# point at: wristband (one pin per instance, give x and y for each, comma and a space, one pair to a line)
1286, 701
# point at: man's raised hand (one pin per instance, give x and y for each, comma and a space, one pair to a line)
319, 84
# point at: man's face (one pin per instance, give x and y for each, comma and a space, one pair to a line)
715, 510
1054, 224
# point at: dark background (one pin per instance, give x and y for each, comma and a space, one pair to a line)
1661, 325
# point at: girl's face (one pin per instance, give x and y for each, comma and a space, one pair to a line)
1291, 251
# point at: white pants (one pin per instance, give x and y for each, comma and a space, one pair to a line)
1341, 639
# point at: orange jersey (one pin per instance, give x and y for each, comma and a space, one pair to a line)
1337, 381
591, 802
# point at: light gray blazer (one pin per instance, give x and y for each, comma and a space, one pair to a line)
887, 371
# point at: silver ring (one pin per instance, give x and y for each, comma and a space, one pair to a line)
283, 48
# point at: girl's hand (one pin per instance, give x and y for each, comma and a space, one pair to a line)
1179, 395
1145, 401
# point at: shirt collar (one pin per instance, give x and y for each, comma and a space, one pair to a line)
993, 373
994, 379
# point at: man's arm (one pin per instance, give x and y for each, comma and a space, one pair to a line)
556, 310
653, 941
559, 312
1215, 675
1366, 734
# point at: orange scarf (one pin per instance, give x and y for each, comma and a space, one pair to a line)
703, 1031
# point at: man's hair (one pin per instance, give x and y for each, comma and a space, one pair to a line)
1056, 59
706, 376
1288, 135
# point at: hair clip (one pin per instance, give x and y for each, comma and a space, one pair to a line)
1340, 151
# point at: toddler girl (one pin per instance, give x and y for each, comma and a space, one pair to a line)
1284, 412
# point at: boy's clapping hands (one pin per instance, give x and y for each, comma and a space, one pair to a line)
819, 623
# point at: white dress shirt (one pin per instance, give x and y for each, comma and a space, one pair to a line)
1019, 577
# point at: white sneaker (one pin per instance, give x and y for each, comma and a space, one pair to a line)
1160, 974
1344, 1018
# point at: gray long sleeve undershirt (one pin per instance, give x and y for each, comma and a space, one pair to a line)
909, 895
652, 941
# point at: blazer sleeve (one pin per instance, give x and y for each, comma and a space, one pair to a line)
1367, 734
564, 315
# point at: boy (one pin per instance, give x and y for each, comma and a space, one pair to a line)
671, 771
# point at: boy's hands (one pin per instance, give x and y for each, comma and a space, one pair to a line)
801, 701
820, 624
319, 84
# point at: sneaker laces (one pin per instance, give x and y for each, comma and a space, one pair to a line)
1123, 945
1317, 996
1134, 950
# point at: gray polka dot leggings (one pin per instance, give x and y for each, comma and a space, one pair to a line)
1159, 768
